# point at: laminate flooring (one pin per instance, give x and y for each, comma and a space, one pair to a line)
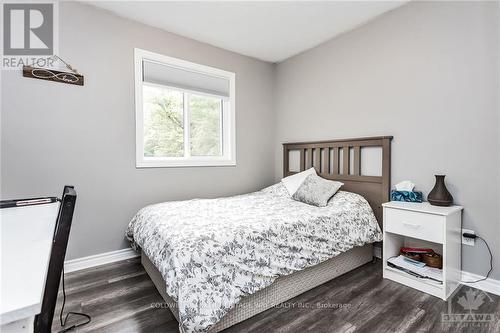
120, 297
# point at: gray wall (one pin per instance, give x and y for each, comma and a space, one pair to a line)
55, 134
427, 73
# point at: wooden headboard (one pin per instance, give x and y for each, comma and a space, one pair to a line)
325, 157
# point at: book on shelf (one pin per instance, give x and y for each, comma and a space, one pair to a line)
424, 272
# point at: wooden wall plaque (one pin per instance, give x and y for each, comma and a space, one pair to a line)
53, 75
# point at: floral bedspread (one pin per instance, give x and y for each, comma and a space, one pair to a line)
213, 252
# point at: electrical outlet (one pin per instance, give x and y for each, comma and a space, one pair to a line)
468, 241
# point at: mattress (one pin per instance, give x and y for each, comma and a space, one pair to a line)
283, 289
214, 252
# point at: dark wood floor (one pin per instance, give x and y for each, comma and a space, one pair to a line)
120, 297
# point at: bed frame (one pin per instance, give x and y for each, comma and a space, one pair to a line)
324, 156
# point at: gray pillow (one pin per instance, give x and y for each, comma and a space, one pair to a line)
316, 191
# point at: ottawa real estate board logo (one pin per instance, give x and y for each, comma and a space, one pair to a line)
468, 307
29, 34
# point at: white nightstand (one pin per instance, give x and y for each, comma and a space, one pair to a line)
408, 224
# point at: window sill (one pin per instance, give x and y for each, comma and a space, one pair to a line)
184, 163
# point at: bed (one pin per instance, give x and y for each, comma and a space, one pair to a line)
217, 262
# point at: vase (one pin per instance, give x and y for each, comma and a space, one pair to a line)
439, 195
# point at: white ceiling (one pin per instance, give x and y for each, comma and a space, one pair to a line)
270, 31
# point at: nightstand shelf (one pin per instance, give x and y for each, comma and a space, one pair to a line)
423, 225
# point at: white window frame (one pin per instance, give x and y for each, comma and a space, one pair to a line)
228, 157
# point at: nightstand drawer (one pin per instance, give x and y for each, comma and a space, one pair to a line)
415, 224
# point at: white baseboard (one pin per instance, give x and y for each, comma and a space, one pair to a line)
98, 260
489, 285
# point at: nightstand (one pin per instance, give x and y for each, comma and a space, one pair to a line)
408, 224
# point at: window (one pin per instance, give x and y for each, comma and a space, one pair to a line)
184, 113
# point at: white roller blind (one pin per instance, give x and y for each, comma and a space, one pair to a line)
164, 74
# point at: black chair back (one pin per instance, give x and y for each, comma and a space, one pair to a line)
43, 321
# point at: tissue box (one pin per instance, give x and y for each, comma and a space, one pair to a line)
406, 196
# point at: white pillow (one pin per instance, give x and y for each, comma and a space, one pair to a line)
293, 182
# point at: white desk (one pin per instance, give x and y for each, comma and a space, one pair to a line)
26, 242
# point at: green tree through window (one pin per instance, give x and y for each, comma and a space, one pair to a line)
205, 132
164, 123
